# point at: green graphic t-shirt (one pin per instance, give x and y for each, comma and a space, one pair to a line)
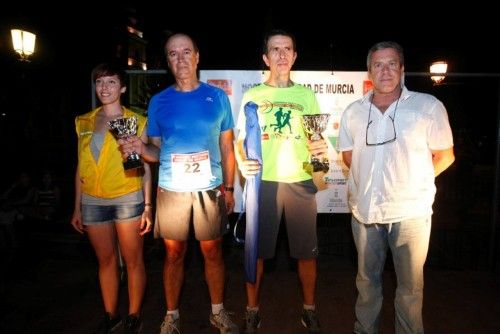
284, 142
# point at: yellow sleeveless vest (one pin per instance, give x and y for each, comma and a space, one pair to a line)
105, 178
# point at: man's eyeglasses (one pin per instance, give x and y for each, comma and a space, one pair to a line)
393, 137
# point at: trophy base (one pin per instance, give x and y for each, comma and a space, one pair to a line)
132, 164
318, 166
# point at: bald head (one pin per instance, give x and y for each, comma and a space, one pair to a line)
180, 36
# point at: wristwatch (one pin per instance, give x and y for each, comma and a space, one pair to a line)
227, 188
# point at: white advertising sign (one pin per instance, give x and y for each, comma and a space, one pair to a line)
334, 91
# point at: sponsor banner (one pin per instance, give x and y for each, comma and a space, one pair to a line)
334, 91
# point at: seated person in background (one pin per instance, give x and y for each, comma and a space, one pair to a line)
47, 198
8, 216
15, 203
20, 195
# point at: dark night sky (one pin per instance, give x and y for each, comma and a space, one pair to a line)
341, 36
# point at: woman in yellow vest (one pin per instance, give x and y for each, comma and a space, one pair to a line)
112, 205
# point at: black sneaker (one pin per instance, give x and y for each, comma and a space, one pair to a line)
132, 325
252, 321
310, 321
108, 324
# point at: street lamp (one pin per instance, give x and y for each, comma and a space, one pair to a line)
23, 43
438, 71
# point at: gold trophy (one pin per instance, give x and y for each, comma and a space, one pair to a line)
124, 127
314, 125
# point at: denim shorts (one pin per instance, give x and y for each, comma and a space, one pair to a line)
101, 214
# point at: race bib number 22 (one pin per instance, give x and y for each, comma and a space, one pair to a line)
191, 170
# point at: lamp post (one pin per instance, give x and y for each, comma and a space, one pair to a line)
23, 43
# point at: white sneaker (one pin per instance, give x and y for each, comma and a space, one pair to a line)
170, 325
224, 323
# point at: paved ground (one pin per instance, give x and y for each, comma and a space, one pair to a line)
50, 285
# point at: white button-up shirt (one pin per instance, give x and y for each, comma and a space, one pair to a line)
395, 181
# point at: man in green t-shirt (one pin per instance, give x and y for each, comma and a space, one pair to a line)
286, 185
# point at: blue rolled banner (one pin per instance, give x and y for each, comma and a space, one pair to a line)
253, 150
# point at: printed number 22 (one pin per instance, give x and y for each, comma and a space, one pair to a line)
192, 168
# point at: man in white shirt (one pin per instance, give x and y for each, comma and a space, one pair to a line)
395, 143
